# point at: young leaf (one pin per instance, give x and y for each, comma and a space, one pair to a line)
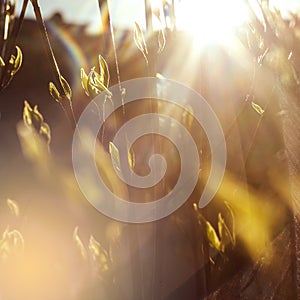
232, 220
12, 243
45, 132
54, 92
131, 159
104, 71
114, 154
16, 61
94, 84
224, 232
99, 85
212, 236
66, 87
161, 40
84, 81
2, 63
79, 243
257, 108
99, 254
33, 118
13, 207
140, 40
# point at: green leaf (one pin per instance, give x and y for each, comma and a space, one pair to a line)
19, 59
84, 81
54, 92
95, 86
33, 118
96, 83
92, 89
16, 61
257, 108
100, 86
66, 87
212, 236
104, 71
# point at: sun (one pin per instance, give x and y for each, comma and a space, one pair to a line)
210, 21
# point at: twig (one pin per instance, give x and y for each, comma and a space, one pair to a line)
50, 54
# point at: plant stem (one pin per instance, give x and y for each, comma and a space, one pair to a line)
106, 21
50, 54
148, 15
17, 29
173, 16
11, 45
68, 109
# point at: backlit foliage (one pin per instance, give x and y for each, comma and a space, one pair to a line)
95, 83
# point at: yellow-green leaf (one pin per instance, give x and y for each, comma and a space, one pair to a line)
33, 118
66, 87
114, 154
54, 92
99, 254
232, 220
104, 71
13, 207
95, 83
94, 246
257, 108
224, 232
84, 81
212, 236
79, 243
100, 86
18, 60
2, 63
131, 159
45, 132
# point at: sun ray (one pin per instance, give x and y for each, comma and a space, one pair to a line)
211, 21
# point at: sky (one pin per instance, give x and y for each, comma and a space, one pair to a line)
124, 12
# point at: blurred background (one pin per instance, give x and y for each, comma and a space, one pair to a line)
55, 245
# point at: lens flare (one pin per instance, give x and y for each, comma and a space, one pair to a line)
210, 21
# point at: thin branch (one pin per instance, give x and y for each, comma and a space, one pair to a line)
148, 15
54, 67
11, 45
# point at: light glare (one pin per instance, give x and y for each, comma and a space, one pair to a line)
210, 21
